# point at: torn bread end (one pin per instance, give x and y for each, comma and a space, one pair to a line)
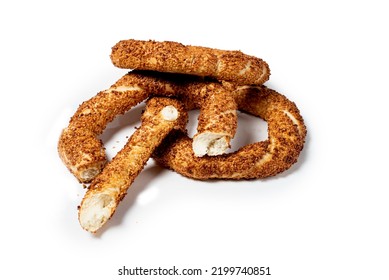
95, 211
209, 143
169, 113
88, 174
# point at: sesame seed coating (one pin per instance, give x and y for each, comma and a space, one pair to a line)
175, 57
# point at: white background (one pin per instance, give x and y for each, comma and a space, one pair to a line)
326, 218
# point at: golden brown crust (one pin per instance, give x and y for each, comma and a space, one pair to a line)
83, 153
111, 185
174, 57
219, 83
286, 137
80, 147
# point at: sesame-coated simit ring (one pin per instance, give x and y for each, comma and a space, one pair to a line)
172, 79
83, 152
286, 137
173, 57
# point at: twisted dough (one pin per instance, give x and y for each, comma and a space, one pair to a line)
201, 61
286, 136
83, 152
161, 116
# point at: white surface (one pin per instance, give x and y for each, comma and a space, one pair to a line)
326, 218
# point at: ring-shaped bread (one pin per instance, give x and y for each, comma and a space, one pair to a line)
81, 149
286, 138
173, 57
